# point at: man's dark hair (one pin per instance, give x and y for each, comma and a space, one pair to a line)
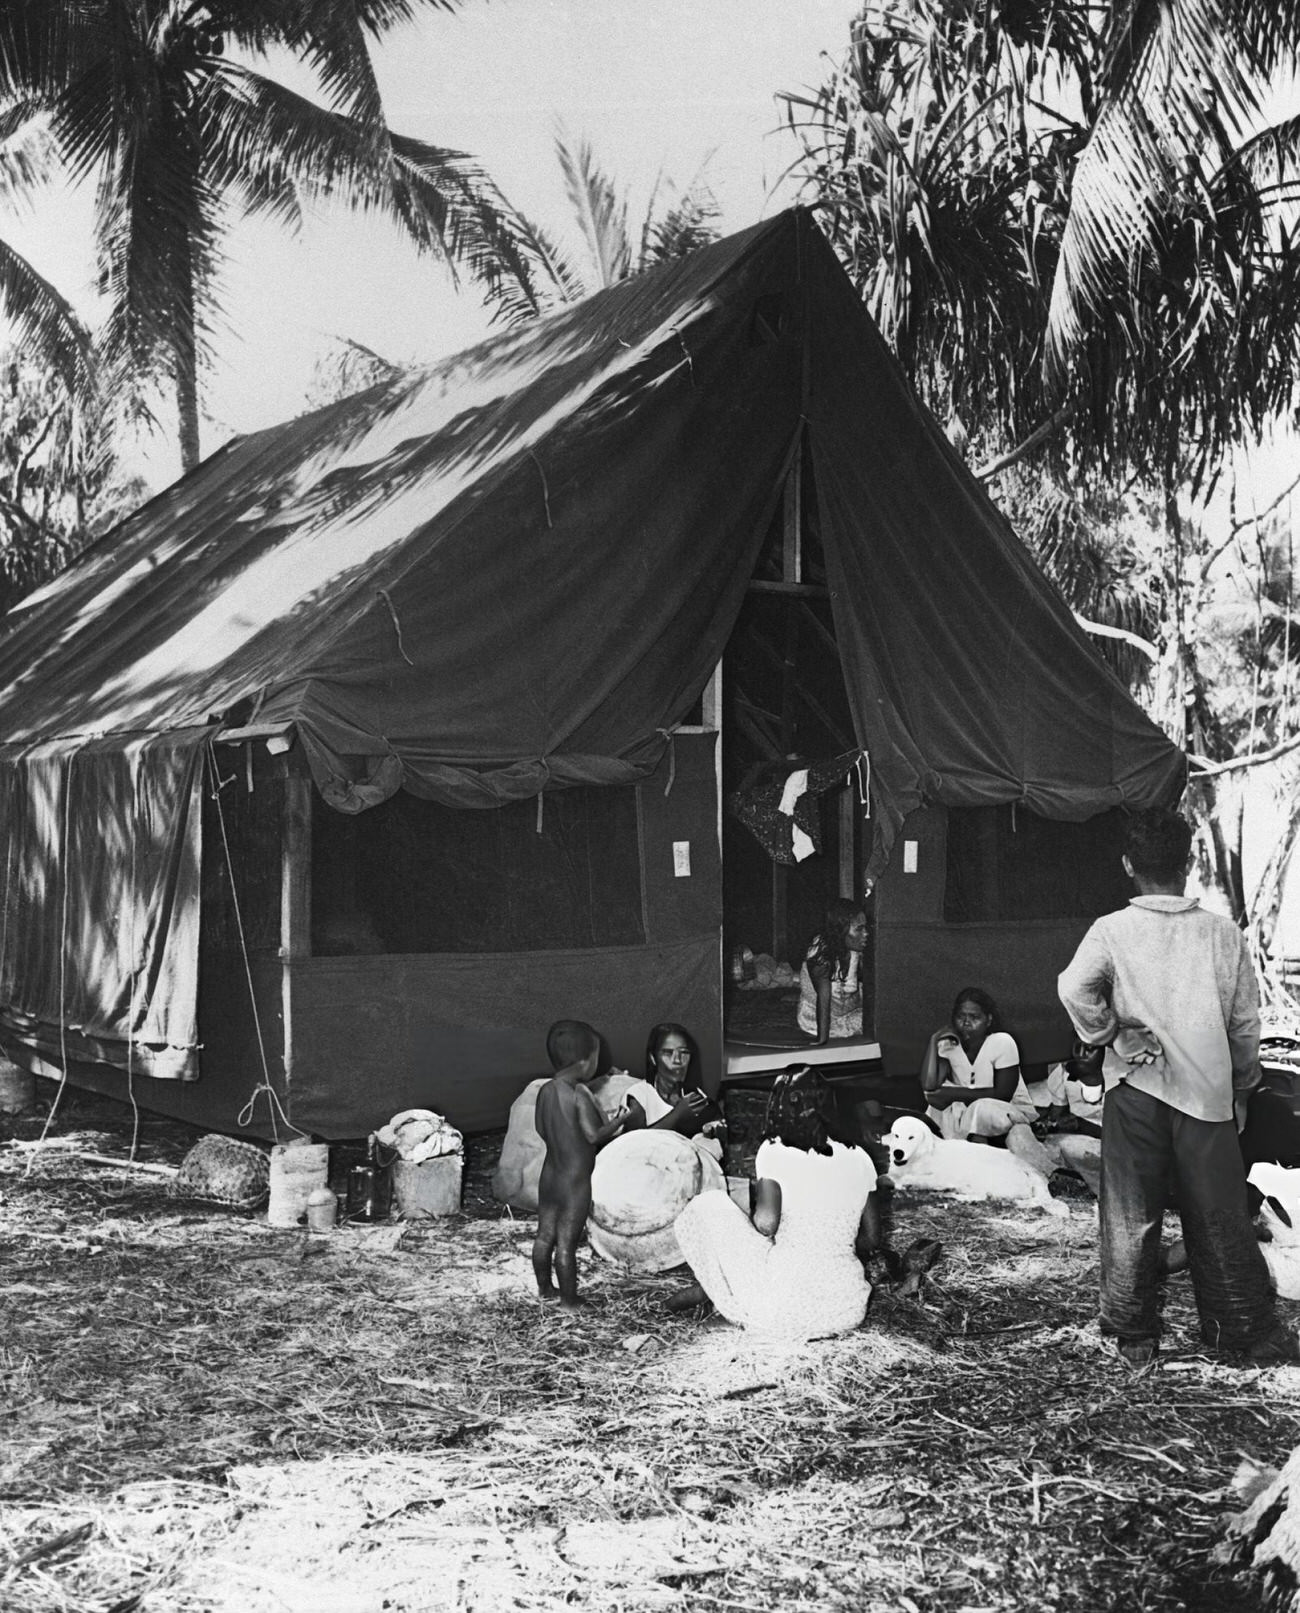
570, 1040
1159, 845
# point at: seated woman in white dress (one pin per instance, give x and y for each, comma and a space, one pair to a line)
830, 979
971, 1073
794, 1268
670, 1098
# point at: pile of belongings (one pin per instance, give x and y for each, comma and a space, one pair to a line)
761, 972
419, 1134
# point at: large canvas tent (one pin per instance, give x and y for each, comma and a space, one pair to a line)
390, 734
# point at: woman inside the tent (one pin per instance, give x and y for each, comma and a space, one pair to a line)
794, 1267
670, 1097
830, 980
971, 1076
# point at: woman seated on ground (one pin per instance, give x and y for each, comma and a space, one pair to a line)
971, 1073
794, 1267
830, 980
670, 1098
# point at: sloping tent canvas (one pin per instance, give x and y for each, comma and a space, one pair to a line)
504, 575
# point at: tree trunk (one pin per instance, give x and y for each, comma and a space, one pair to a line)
185, 361
1266, 904
187, 402
1190, 718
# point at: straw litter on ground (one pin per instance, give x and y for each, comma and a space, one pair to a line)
205, 1415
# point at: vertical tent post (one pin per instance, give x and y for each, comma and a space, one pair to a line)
295, 890
848, 841
791, 572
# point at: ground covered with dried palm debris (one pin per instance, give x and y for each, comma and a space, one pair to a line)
201, 1413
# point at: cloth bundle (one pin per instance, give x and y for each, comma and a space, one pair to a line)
419, 1134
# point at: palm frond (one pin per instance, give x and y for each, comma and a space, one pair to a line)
26, 155
41, 46
600, 213
44, 322
514, 302
269, 148
682, 228
447, 202
1270, 159
1182, 85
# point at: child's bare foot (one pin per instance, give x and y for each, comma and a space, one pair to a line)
551, 1293
572, 1302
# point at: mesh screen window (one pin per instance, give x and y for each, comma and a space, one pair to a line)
414, 876
1007, 864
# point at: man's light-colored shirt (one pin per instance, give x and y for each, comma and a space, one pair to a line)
1165, 963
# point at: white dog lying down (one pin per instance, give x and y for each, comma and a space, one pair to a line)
971, 1171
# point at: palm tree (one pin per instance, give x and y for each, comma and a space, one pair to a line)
955, 155
1180, 126
154, 98
671, 228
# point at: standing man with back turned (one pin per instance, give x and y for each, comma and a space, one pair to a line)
1169, 989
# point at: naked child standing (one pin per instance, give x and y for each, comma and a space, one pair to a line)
571, 1125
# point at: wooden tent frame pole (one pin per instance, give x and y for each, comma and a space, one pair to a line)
295, 894
791, 574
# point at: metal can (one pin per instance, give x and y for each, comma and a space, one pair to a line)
322, 1209
369, 1193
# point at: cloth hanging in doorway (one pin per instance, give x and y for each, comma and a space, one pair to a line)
795, 787
782, 808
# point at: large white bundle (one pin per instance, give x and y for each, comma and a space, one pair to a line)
640, 1185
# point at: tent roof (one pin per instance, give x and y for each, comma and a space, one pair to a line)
515, 568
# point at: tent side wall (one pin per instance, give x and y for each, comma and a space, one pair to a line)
463, 1032
1069, 872
240, 973
232, 1063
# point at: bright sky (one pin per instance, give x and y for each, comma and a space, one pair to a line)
654, 84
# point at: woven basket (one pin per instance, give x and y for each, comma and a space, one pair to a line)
223, 1170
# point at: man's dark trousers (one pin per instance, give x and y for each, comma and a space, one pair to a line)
1153, 1155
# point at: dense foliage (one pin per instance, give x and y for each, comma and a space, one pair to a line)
1077, 227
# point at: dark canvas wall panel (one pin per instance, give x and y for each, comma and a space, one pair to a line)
416, 876
679, 807
922, 960
1005, 865
463, 1035
921, 967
